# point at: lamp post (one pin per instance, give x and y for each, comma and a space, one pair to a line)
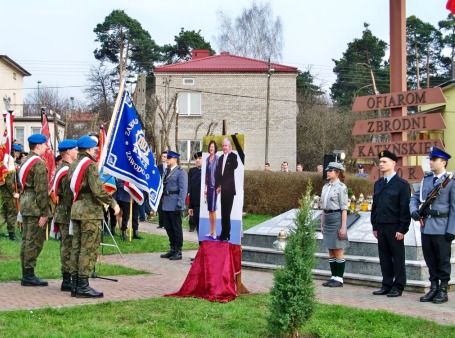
267, 112
39, 98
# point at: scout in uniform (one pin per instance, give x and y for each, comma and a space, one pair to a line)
335, 203
63, 200
89, 197
174, 193
438, 230
390, 218
34, 206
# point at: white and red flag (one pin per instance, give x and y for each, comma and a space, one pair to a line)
48, 157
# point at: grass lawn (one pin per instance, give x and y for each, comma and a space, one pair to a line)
48, 266
173, 317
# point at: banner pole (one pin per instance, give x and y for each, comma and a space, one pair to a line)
111, 125
130, 222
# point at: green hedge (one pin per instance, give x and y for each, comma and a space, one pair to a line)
272, 193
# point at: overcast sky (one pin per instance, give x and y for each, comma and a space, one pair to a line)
54, 39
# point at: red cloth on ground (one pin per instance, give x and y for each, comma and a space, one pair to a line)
212, 274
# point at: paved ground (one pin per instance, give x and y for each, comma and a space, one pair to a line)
167, 277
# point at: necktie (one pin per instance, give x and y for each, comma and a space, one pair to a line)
385, 180
434, 180
168, 171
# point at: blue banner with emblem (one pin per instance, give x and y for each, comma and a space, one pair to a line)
129, 157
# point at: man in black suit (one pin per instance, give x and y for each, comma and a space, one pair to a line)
162, 169
225, 183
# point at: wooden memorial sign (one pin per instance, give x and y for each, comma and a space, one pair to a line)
409, 173
396, 100
399, 124
404, 148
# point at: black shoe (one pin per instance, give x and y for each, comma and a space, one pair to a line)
394, 293
160, 227
442, 296
141, 219
327, 283
168, 254
123, 235
12, 237
334, 284
66, 283
176, 256
430, 295
29, 279
381, 292
136, 235
85, 291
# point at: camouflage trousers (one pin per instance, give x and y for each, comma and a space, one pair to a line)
86, 241
32, 241
66, 245
8, 213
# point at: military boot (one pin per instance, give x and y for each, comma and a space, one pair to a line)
177, 255
29, 278
66, 283
12, 237
136, 235
113, 230
73, 285
123, 235
168, 254
442, 296
434, 288
85, 291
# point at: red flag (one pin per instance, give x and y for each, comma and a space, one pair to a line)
8, 137
3, 168
101, 141
48, 157
451, 6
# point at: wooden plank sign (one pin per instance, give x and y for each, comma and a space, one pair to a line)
402, 148
400, 99
409, 173
418, 122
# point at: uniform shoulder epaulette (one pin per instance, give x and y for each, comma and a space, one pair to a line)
342, 184
428, 174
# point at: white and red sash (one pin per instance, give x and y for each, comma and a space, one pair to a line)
135, 193
77, 176
25, 169
58, 176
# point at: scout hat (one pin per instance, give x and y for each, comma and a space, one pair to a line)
335, 165
388, 154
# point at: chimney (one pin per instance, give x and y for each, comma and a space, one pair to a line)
200, 53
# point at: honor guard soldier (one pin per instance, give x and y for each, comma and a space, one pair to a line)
34, 206
8, 191
89, 197
63, 199
175, 187
438, 225
390, 218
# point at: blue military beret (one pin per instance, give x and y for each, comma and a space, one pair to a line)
37, 139
17, 147
173, 154
86, 142
67, 144
388, 154
438, 152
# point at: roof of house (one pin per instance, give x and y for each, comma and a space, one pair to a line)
14, 65
225, 63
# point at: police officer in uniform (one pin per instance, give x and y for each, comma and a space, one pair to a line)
390, 218
194, 192
162, 169
174, 193
438, 231
64, 200
34, 206
86, 216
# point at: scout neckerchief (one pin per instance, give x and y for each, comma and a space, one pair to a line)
77, 176
25, 169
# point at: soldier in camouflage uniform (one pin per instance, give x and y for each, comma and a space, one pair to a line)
34, 206
86, 216
64, 200
8, 211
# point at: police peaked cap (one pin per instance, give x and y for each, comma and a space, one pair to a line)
37, 139
438, 152
197, 155
67, 144
17, 147
360, 166
335, 165
388, 154
173, 154
86, 142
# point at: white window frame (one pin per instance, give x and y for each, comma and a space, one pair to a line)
35, 130
189, 98
188, 152
188, 81
22, 129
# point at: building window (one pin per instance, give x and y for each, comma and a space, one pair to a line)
14, 75
187, 148
189, 103
36, 130
188, 81
19, 134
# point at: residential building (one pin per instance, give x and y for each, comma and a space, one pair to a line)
230, 88
12, 84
